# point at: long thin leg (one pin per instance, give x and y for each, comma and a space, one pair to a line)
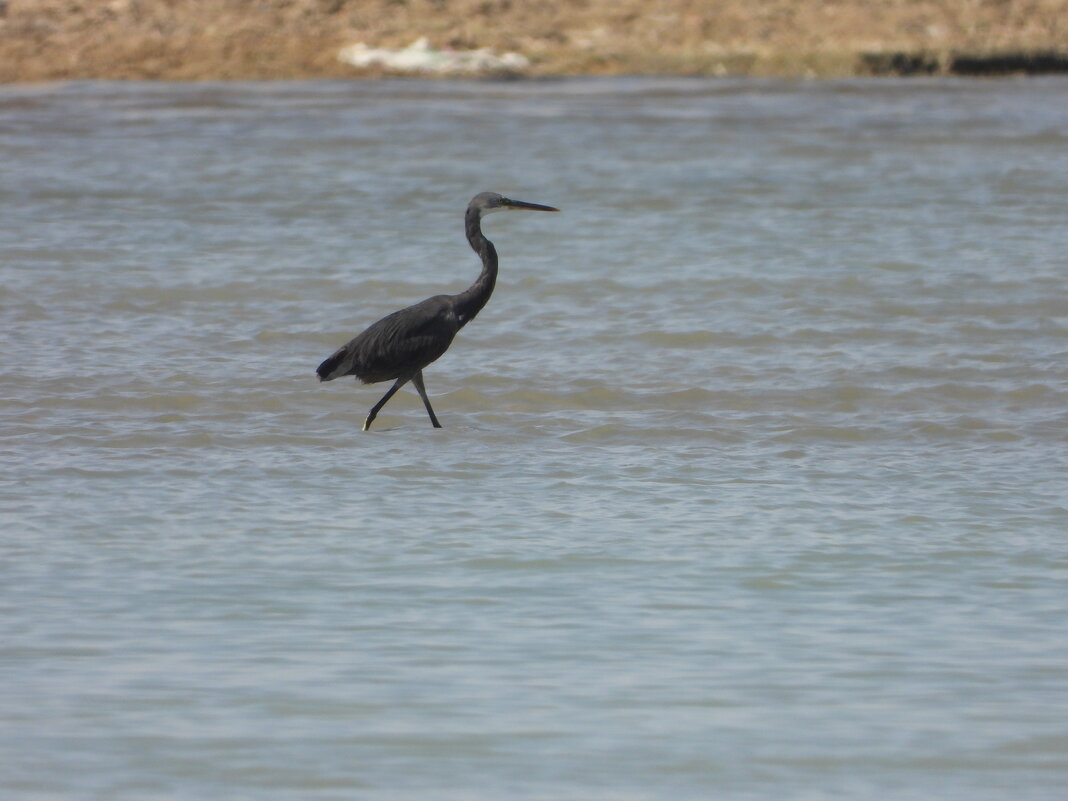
417, 379
374, 411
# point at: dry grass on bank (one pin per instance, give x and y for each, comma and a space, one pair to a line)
232, 39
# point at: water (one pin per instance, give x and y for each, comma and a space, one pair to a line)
753, 477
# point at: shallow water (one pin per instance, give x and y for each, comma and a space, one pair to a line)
752, 480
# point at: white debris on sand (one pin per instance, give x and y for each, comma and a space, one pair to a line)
420, 57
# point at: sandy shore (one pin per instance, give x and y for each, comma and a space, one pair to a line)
42, 40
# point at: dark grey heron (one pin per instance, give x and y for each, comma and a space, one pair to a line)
401, 344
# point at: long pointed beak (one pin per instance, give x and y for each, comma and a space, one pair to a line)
520, 204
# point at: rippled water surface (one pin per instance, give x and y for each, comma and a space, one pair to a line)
753, 477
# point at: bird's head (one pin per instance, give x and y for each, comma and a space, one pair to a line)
489, 202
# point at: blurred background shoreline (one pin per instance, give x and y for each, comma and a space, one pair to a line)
48, 40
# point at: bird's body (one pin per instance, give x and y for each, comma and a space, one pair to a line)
398, 344
401, 344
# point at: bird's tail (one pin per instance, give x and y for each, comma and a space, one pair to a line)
328, 370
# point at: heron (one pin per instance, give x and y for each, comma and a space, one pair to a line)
401, 344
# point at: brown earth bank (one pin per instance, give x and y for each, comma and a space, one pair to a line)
45, 40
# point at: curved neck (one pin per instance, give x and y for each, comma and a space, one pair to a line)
470, 302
